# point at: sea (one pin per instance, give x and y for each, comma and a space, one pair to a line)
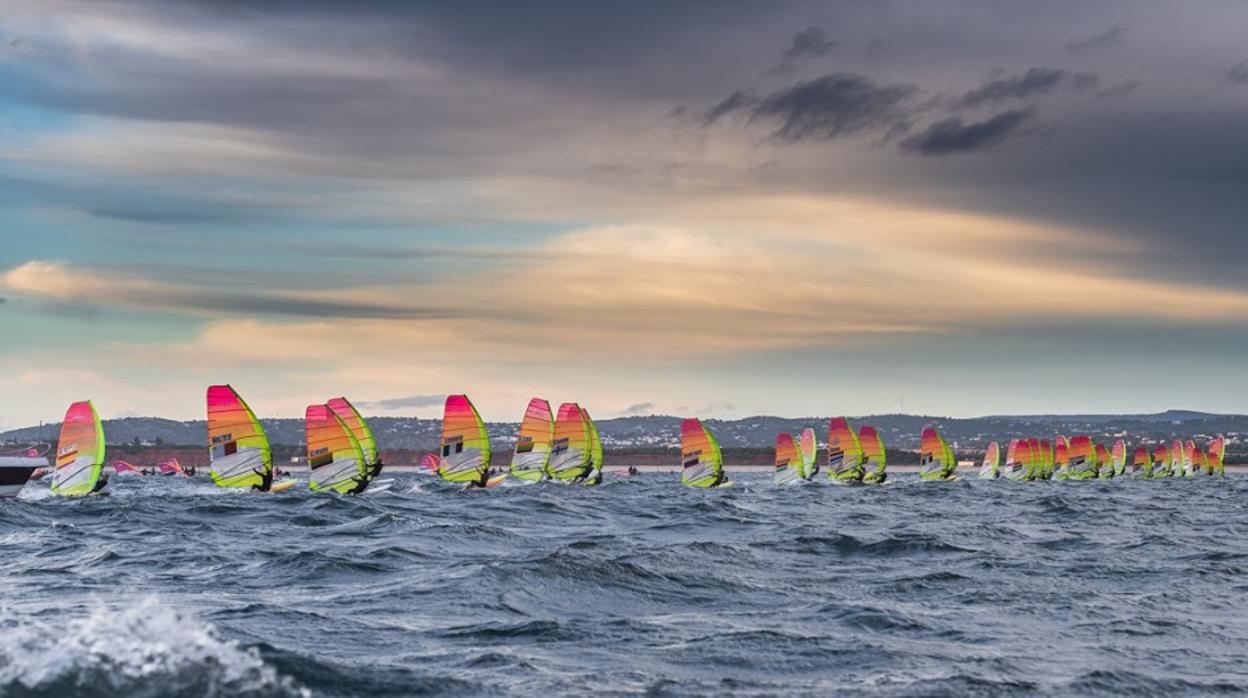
640, 587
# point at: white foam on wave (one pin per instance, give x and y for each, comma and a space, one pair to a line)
141, 649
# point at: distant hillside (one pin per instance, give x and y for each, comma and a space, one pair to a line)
900, 431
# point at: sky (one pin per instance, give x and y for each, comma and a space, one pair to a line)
708, 208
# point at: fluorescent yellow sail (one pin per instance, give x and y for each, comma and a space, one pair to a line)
360, 429
238, 448
702, 462
873, 454
465, 442
79, 452
844, 452
335, 458
571, 454
537, 431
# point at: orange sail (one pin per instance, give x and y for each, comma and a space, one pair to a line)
788, 460
844, 452
336, 460
79, 452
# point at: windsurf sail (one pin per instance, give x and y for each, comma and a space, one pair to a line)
1118, 457
465, 442
360, 430
1217, 456
844, 452
537, 431
79, 452
1161, 461
1082, 455
570, 455
1188, 448
935, 457
873, 455
238, 449
788, 462
1104, 465
991, 466
701, 461
1176, 460
1198, 461
1141, 464
335, 457
593, 476
122, 467
430, 462
171, 467
808, 447
1046, 460
1061, 459
1017, 460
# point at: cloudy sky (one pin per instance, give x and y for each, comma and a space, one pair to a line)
710, 208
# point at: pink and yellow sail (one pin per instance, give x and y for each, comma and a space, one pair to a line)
1082, 455
335, 458
533, 444
788, 465
360, 430
79, 452
936, 460
238, 449
1018, 461
1161, 461
873, 455
701, 461
990, 469
808, 447
1141, 464
1118, 457
465, 442
1217, 457
594, 475
844, 452
571, 454
1061, 458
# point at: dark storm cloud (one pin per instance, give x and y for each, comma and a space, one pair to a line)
1033, 83
952, 135
1108, 39
409, 402
1238, 74
837, 104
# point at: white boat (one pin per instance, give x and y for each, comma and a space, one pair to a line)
14, 472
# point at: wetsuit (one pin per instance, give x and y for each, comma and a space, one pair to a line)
266, 481
100, 484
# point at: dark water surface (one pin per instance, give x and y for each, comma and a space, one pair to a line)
638, 587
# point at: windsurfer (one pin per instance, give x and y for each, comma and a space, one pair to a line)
266, 480
100, 484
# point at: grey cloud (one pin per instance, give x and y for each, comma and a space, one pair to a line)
410, 402
1120, 90
1033, 83
641, 408
834, 105
1238, 74
736, 101
1108, 39
952, 135
811, 42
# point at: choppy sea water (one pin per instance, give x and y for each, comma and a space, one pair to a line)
638, 587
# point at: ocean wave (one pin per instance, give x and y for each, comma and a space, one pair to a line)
145, 649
